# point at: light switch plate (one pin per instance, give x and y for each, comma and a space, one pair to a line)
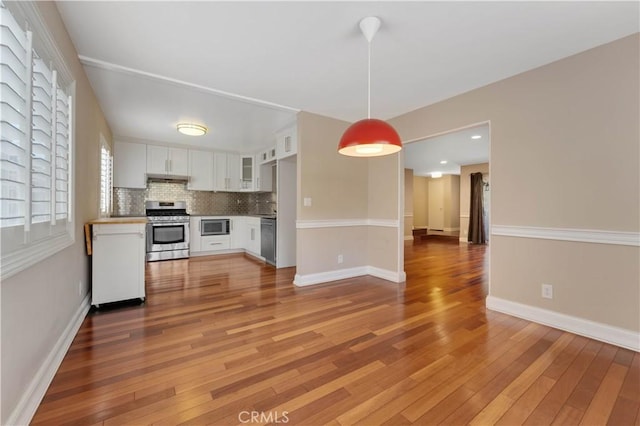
307, 201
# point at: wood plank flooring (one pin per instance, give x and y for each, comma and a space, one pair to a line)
228, 340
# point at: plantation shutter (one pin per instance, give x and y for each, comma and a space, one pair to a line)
15, 94
41, 142
63, 102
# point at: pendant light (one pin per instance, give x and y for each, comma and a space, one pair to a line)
369, 137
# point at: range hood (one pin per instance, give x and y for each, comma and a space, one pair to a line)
167, 178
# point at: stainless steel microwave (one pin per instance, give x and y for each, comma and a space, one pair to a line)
214, 227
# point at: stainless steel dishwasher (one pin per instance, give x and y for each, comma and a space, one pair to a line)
268, 239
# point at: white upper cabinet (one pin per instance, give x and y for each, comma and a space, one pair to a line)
226, 168
200, 171
287, 142
264, 177
165, 161
267, 155
233, 171
247, 173
129, 165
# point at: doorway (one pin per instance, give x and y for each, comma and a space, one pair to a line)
438, 168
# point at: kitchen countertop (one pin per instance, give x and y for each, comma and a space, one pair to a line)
269, 216
121, 220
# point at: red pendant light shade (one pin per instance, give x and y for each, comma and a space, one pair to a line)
369, 138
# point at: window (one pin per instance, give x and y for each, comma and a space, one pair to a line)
36, 105
106, 173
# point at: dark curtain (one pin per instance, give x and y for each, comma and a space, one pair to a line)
477, 233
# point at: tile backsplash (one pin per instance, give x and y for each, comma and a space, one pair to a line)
127, 202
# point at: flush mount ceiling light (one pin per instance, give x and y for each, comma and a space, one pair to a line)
191, 129
476, 137
443, 162
369, 137
436, 175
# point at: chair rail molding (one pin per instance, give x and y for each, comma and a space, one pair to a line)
596, 236
336, 223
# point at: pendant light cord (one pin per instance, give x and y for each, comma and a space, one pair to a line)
369, 80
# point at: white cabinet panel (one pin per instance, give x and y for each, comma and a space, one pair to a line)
253, 235
215, 242
129, 165
238, 233
118, 262
247, 173
287, 143
200, 171
165, 161
264, 177
233, 171
194, 234
267, 155
157, 159
178, 162
226, 171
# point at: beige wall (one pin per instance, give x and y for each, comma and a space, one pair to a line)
420, 201
386, 202
408, 204
465, 194
562, 136
343, 188
337, 185
39, 303
451, 202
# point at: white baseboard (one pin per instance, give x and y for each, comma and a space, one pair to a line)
228, 251
594, 330
408, 237
341, 274
386, 274
30, 400
215, 252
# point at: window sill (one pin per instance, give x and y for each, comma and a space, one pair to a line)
27, 257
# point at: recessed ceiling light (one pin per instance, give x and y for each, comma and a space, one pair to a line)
191, 129
476, 137
436, 174
443, 162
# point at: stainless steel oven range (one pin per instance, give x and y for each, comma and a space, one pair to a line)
167, 230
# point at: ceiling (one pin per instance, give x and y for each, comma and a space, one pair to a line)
456, 148
245, 68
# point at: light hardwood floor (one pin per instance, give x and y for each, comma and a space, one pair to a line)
223, 338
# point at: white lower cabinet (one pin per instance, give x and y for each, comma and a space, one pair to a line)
118, 262
253, 235
194, 234
215, 242
244, 235
238, 233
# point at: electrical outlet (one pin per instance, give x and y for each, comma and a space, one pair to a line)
547, 291
340, 258
307, 201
